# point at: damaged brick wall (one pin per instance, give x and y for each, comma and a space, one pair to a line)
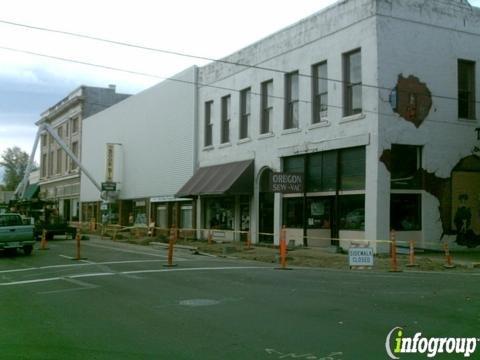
441, 188
413, 99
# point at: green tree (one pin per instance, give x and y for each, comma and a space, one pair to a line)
14, 161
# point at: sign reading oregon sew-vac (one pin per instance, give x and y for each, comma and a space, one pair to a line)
287, 182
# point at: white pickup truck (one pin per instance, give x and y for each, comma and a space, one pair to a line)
15, 234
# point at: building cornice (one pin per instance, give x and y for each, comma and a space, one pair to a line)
58, 179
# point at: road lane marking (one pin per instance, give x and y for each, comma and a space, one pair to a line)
18, 270
132, 251
81, 285
30, 281
90, 275
195, 269
24, 282
84, 264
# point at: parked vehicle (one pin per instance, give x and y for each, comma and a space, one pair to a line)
16, 233
54, 226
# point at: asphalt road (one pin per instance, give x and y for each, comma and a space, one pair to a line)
122, 303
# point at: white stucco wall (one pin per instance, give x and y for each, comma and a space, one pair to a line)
425, 38
324, 36
156, 130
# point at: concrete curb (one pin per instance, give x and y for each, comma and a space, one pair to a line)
183, 247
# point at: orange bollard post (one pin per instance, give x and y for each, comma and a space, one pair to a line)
448, 264
209, 238
171, 243
393, 252
77, 241
411, 256
249, 242
43, 240
283, 249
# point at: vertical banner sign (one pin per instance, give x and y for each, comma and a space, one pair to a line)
109, 163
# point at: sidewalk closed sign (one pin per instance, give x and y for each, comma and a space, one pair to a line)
360, 256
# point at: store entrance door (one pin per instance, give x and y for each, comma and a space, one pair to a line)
265, 211
66, 209
322, 224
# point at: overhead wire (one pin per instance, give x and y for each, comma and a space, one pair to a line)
228, 62
107, 67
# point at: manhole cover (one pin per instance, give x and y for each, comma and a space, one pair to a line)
199, 302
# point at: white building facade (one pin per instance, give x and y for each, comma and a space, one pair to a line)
145, 145
59, 175
374, 102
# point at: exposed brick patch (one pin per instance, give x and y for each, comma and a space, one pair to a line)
414, 99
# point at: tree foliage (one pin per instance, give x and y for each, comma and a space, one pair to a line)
14, 161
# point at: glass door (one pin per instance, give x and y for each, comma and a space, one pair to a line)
320, 221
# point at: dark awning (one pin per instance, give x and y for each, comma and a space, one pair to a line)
234, 178
31, 191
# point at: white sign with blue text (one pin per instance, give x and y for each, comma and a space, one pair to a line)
360, 256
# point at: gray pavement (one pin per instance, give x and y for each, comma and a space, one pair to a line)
122, 303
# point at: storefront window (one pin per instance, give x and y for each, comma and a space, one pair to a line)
318, 213
294, 164
329, 171
352, 169
186, 217
405, 212
322, 171
352, 212
314, 173
111, 214
293, 212
406, 162
219, 213
140, 213
162, 217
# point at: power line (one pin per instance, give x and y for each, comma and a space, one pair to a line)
195, 83
192, 56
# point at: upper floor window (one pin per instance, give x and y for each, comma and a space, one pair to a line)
406, 165
245, 96
226, 115
320, 92
291, 100
50, 164
43, 165
59, 161
44, 140
466, 89
208, 123
266, 115
73, 164
75, 125
60, 132
352, 67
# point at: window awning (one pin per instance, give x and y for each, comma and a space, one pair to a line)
234, 178
31, 191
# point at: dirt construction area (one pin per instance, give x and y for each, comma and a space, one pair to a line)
321, 257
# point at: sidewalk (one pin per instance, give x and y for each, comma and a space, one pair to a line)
318, 257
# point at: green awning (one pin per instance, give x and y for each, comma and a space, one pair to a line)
31, 191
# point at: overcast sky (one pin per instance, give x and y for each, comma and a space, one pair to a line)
30, 84
210, 28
